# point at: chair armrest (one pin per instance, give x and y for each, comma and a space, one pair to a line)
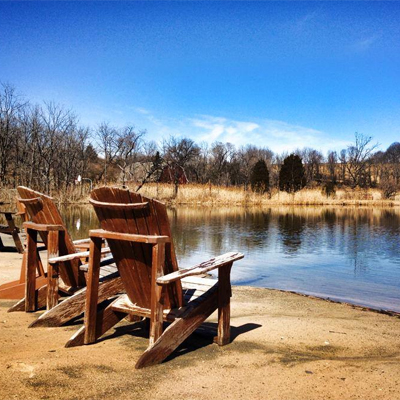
81, 241
200, 269
74, 256
42, 227
151, 239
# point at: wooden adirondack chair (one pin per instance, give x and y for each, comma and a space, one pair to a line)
16, 289
11, 228
138, 233
64, 273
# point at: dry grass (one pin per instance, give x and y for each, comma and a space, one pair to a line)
209, 195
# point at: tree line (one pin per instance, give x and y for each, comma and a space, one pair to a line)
44, 146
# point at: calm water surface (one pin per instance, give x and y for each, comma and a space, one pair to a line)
345, 254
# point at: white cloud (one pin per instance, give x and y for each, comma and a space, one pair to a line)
279, 136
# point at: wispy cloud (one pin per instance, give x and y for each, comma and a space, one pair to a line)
279, 136
306, 20
142, 110
365, 43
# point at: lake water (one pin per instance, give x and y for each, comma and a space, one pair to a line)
346, 254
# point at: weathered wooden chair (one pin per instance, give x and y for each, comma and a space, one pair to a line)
64, 275
138, 233
11, 228
16, 289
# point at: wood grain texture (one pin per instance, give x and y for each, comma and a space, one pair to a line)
151, 278
52, 271
118, 206
19, 291
202, 268
92, 290
74, 305
31, 265
157, 300
11, 229
43, 227
178, 331
128, 236
45, 212
105, 319
224, 310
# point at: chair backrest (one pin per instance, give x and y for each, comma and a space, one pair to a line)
44, 211
134, 260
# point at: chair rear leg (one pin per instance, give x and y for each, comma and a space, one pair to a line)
40, 298
75, 304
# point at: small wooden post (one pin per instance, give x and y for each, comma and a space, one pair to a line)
157, 292
92, 290
31, 265
52, 270
224, 306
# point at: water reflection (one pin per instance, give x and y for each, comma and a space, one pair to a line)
349, 254
291, 227
79, 220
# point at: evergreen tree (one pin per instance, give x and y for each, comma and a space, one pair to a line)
259, 178
292, 174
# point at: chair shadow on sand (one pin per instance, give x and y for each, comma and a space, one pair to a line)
8, 249
202, 337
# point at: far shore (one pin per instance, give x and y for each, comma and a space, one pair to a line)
210, 195
285, 346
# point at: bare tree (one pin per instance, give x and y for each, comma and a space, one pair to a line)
221, 154
392, 156
178, 154
358, 160
57, 123
129, 143
10, 106
332, 160
312, 160
108, 145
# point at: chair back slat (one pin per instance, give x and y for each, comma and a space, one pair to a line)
134, 260
46, 212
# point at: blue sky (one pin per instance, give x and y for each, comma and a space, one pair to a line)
276, 74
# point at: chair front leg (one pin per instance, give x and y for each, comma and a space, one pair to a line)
92, 292
52, 270
157, 293
224, 306
30, 270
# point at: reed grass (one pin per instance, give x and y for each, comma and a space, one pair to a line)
210, 195
207, 195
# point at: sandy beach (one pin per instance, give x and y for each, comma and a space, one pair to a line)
285, 346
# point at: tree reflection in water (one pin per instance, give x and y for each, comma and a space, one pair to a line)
345, 253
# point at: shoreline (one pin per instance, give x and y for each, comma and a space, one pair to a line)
383, 311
